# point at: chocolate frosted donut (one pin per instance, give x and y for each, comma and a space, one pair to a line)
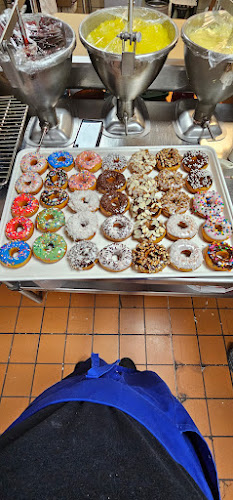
110, 180
114, 203
198, 180
195, 159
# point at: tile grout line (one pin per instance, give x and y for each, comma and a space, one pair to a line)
223, 336
12, 340
144, 321
93, 324
64, 350
119, 316
172, 347
38, 346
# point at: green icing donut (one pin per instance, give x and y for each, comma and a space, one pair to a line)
49, 247
50, 219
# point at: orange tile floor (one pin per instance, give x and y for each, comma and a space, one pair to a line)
183, 339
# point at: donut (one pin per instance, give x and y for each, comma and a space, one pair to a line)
114, 161
207, 204
29, 183
181, 227
33, 162
216, 229
83, 255
24, 205
82, 226
138, 185
54, 198
149, 257
194, 159
219, 256
82, 181
50, 220
84, 200
168, 158
198, 180
110, 180
15, 254
142, 162
117, 228
56, 179
114, 203
115, 257
145, 207
88, 160
168, 179
19, 228
49, 248
174, 202
152, 230
185, 255
61, 159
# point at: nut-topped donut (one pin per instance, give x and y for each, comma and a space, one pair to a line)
56, 179
168, 158
149, 257
29, 183
61, 159
114, 203
83, 255
115, 257
110, 180
145, 207
54, 198
198, 180
167, 180
33, 162
114, 161
181, 226
117, 228
138, 185
174, 202
25, 205
207, 204
219, 256
142, 162
185, 255
216, 229
152, 230
195, 159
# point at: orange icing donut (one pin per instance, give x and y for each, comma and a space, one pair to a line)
88, 160
82, 181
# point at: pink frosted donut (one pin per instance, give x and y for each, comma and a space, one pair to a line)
88, 160
33, 162
82, 181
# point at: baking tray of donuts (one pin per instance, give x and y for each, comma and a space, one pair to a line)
161, 211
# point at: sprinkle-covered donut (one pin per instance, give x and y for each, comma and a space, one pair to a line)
33, 162
142, 162
83, 255
198, 180
113, 161
146, 229
15, 254
19, 228
110, 180
207, 204
174, 202
24, 205
82, 226
181, 227
49, 248
168, 158
54, 198
84, 200
194, 159
185, 255
138, 185
117, 228
88, 160
50, 220
61, 159
219, 256
168, 179
216, 229
56, 179
145, 206
29, 183
149, 257
82, 181
114, 203
115, 257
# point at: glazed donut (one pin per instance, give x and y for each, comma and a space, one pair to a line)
87, 200
117, 228
24, 205
114, 203
88, 160
194, 159
181, 227
29, 183
142, 162
138, 185
50, 220
82, 181
15, 254
110, 180
25, 226
56, 179
167, 180
174, 202
168, 158
82, 226
198, 180
61, 159
207, 204
219, 256
185, 255
146, 207
83, 255
149, 257
33, 162
114, 161
152, 230
115, 257
216, 229
49, 248
54, 198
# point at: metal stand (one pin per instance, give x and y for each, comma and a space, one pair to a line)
137, 124
16, 287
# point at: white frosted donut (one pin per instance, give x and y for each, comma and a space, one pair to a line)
113, 161
117, 228
82, 200
115, 257
168, 179
217, 228
33, 162
208, 204
181, 226
185, 255
82, 226
29, 183
83, 255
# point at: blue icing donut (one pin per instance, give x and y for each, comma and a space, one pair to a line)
8, 250
61, 159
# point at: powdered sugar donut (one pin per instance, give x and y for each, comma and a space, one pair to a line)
216, 229
114, 161
82, 226
83, 255
29, 183
181, 227
117, 228
84, 200
208, 204
33, 162
115, 257
185, 255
